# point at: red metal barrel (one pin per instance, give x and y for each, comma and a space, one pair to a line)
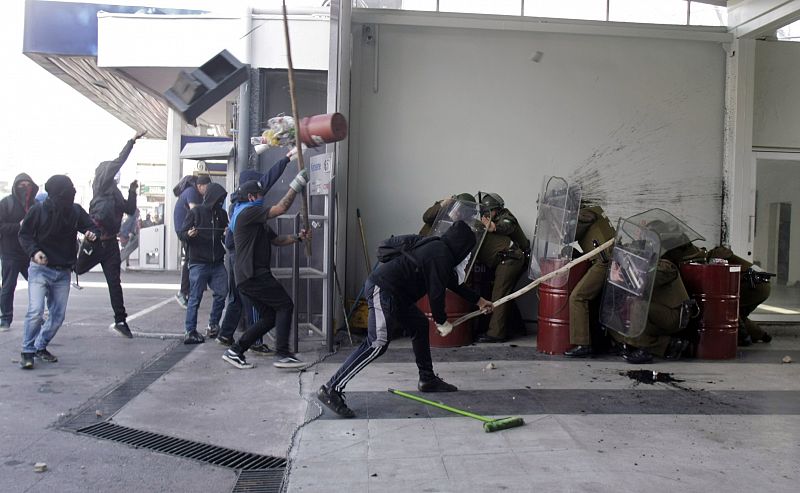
553, 334
323, 129
716, 289
456, 306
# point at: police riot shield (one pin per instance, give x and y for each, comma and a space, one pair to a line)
672, 232
556, 222
629, 284
457, 210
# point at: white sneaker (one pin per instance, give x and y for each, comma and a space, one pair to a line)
289, 361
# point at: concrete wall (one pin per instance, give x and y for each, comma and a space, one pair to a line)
638, 121
776, 105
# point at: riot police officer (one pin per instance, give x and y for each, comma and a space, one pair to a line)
429, 216
505, 250
593, 229
754, 290
668, 314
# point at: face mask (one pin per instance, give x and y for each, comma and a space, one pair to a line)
461, 269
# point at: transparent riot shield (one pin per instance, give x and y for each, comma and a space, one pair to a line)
672, 232
556, 223
629, 284
457, 210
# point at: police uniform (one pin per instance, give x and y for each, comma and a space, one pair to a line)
504, 250
664, 316
751, 294
593, 226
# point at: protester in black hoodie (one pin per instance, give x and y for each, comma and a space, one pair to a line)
203, 231
392, 290
48, 237
14, 259
106, 209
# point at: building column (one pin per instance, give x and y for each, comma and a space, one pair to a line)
174, 174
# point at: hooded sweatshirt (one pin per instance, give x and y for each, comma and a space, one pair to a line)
436, 273
267, 180
12, 210
210, 219
51, 226
107, 203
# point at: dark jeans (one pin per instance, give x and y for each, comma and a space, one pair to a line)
106, 253
274, 307
387, 313
12, 268
201, 276
236, 304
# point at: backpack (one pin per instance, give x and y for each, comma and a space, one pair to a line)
394, 246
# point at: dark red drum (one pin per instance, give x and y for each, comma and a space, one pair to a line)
323, 129
553, 334
716, 289
456, 306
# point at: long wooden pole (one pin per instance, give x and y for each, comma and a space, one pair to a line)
293, 95
546, 277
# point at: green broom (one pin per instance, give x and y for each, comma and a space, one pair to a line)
489, 425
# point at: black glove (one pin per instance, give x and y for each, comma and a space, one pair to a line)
134, 186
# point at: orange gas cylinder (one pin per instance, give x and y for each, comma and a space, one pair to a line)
323, 129
456, 306
553, 333
716, 289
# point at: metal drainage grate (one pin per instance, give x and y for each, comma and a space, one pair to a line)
204, 452
259, 481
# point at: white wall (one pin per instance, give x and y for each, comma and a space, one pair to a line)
776, 105
777, 182
638, 120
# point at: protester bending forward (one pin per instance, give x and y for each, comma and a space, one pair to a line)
392, 290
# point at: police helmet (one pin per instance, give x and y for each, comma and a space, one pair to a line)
465, 197
492, 201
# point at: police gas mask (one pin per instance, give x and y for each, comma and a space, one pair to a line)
461, 269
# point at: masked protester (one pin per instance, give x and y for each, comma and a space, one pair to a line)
254, 240
47, 235
392, 290
190, 191
106, 210
14, 259
203, 231
236, 305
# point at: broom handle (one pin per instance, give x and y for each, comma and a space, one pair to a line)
538, 281
440, 406
299, 145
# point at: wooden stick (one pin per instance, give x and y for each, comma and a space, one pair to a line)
538, 281
293, 95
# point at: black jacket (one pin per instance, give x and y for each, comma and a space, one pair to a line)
437, 260
210, 219
107, 203
53, 230
12, 210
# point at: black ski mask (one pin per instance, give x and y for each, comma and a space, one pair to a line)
60, 190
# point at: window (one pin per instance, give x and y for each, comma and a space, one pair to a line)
648, 11
567, 9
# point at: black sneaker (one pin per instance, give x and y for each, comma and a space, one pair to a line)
225, 341
5, 325
288, 361
637, 356
579, 352
435, 384
193, 338
212, 331
45, 355
26, 362
334, 401
237, 360
123, 329
261, 349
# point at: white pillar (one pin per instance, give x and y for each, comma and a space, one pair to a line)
739, 184
174, 174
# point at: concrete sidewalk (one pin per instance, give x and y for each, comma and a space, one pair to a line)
731, 425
